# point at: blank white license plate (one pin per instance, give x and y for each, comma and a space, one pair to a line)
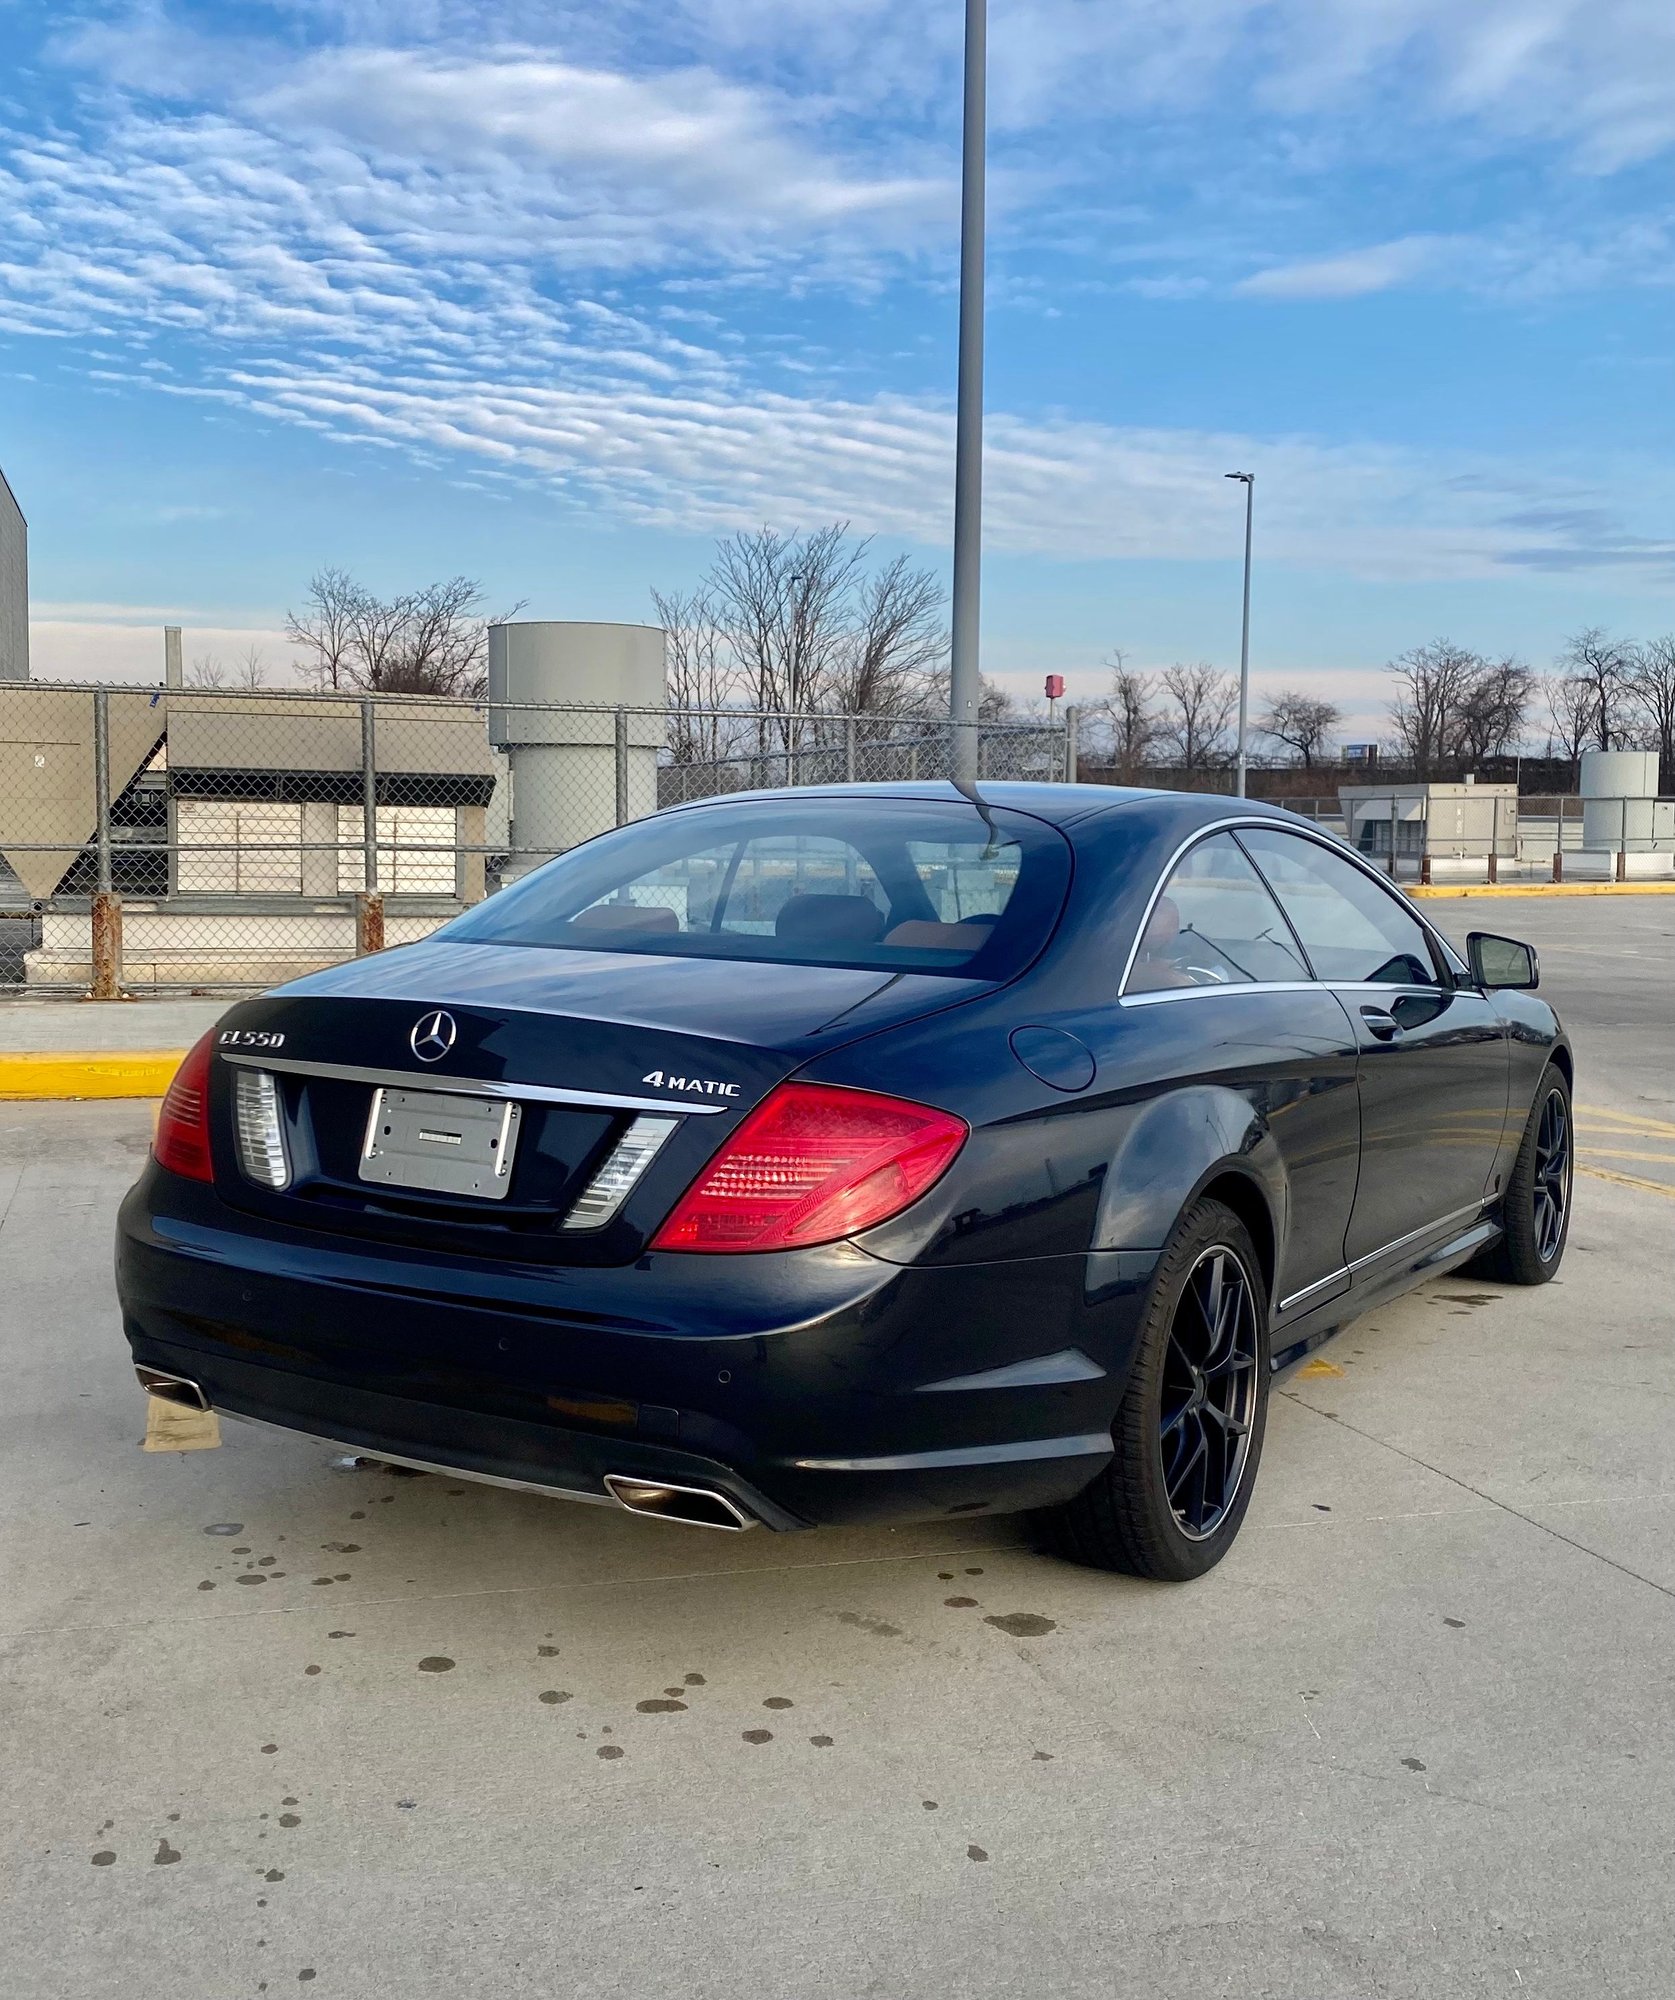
443, 1144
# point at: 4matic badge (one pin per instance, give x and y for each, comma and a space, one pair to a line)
704, 1085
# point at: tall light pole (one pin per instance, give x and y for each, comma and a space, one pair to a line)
1248, 481
965, 661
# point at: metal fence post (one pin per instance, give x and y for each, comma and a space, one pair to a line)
105, 911
1392, 836
369, 795
102, 784
1622, 840
622, 767
1494, 871
1072, 744
849, 752
369, 904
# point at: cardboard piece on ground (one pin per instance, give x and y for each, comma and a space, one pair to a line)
171, 1427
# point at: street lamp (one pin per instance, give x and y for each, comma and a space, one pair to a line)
965, 681
1248, 481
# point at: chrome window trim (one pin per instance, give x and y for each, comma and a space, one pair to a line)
1256, 822
1278, 986
470, 1086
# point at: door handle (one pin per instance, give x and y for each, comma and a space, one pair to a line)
1381, 1023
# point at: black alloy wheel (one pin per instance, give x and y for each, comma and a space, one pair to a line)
1188, 1435
1209, 1393
1536, 1208
1551, 1189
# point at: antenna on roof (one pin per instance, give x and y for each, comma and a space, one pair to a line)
968, 790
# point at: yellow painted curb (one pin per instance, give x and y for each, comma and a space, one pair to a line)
75, 1073
1543, 889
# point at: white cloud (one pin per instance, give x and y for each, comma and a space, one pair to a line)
711, 458
1353, 275
705, 153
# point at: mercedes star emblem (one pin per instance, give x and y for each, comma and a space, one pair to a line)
433, 1036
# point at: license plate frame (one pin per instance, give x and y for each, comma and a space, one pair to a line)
441, 1142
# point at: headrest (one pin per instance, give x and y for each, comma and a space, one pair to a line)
834, 920
1165, 925
627, 917
920, 934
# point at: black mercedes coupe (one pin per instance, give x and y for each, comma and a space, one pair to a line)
858, 1154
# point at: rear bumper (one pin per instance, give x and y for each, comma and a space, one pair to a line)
803, 1392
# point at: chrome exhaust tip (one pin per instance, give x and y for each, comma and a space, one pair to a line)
692, 1506
168, 1388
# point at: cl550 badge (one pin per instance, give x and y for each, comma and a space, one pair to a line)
705, 1086
249, 1038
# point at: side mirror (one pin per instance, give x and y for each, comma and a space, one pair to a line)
1501, 964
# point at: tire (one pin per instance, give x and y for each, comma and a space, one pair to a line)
1144, 1515
1535, 1219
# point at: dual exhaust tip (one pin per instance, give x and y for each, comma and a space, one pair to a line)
692, 1506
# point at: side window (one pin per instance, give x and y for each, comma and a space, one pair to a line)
1214, 925
1352, 929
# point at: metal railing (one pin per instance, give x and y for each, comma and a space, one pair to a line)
1535, 838
203, 839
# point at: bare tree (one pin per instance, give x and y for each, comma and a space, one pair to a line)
1199, 707
251, 670
898, 639
1127, 717
325, 627
429, 641
1602, 665
1651, 688
1432, 685
702, 679
206, 671
1489, 720
1571, 703
802, 625
440, 642
1303, 722
783, 601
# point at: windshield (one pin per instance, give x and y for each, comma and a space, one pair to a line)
891, 884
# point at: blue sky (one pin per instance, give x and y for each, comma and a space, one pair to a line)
553, 294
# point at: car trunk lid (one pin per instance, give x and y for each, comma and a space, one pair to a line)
617, 1067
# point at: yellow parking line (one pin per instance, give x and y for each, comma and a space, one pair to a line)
1630, 1121
74, 1073
1631, 1181
1540, 889
1614, 1153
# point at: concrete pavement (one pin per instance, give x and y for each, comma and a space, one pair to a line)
1412, 1740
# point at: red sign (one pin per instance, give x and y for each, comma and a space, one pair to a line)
1055, 687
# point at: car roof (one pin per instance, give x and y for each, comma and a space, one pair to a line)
1059, 805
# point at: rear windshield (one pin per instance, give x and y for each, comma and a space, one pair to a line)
891, 884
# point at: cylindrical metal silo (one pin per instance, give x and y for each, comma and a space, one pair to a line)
576, 770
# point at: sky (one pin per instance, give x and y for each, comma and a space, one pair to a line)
553, 294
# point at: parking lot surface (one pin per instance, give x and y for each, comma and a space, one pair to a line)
278, 1723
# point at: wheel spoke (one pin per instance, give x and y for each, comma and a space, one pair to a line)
1231, 1425
1209, 1391
1236, 1358
1194, 1458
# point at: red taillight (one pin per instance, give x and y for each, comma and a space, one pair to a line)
810, 1165
182, 1141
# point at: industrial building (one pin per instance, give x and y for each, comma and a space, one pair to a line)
14, 587
235, 834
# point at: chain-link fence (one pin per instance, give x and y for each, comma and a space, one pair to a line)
199, 839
